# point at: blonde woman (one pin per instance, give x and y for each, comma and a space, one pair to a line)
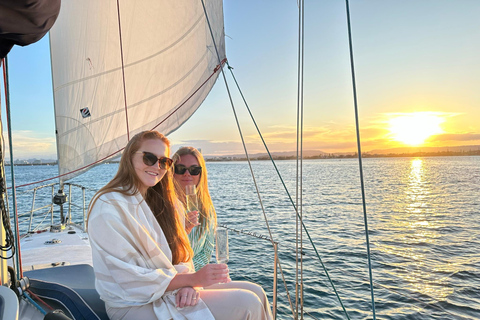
190, 169
141, 254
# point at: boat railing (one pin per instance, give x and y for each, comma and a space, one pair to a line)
275, 262
83, 207
76, 206
45, 201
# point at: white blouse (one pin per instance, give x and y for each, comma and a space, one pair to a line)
132, 259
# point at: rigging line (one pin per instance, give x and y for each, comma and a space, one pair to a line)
246, 152
298, 174
4, 212
301, 156
123, 69
288, 194
218, 67
362, 183
120, 150
39, 299
29, 299
18, 259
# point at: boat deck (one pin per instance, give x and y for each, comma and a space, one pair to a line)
69, 246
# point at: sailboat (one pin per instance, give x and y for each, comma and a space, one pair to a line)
79, 84
118, 68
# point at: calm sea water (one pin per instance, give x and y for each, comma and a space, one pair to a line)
423, 221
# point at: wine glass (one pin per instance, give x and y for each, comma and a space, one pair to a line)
191, 198
221, 245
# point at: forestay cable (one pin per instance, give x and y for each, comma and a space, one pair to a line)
246, 152
360, 155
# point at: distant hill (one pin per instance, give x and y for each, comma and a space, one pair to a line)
424, 150
413, 151
306, 153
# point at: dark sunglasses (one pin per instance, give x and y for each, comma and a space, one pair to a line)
150, 159
193, 170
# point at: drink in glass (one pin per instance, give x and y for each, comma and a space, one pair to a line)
221, 245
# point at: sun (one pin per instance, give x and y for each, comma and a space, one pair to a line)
414, 128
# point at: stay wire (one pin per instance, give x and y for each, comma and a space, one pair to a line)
288, 194
299, 163
245, 149
362, 183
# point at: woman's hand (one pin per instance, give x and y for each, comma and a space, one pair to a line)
213, 273
210, 274
191, 221
187, 297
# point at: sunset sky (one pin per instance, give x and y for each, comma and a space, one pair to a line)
417, 73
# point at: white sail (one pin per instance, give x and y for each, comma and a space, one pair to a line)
132, 66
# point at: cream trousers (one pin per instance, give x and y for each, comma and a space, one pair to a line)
237, 300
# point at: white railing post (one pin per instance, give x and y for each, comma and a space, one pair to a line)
275, 248
69, 203
31, 211
84, 211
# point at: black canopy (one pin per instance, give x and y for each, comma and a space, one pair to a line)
23, 22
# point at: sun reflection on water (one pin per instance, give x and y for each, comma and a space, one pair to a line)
414, 222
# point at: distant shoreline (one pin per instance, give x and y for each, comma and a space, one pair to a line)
354, 155
320, 156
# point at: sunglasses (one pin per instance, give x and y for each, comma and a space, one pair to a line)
193, 170
150, 159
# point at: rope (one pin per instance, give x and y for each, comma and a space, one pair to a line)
245, 149
39, 299
26, 295
357, 125
123, 69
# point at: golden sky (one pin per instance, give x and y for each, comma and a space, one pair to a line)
416, 66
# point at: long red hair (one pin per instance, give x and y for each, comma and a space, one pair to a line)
161, 198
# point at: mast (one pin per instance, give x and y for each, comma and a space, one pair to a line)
18, 257
60, 198
3, 254
54, 110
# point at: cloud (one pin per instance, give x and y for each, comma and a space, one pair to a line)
29, 144
330, 137
456, 137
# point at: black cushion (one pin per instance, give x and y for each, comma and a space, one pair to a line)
73, 287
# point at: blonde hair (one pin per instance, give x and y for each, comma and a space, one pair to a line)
161, 198
207, 211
